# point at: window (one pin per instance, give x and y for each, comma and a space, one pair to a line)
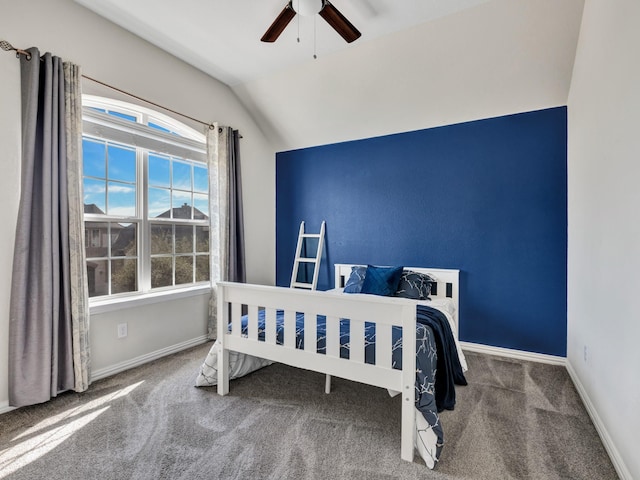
146, 200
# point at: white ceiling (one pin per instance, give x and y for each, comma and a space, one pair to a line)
222, 37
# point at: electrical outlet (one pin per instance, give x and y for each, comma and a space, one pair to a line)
122, 330
585, 354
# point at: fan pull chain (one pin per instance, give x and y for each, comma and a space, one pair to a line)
298, 19
315, 56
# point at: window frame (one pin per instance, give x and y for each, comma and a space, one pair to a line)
181, 143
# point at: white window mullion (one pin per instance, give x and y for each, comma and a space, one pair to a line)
173, 252
108, 257
194, 247
145, 233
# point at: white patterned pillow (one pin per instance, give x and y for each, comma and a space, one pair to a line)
356, 279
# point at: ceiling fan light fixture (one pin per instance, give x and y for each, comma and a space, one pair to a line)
324, 8
308, 8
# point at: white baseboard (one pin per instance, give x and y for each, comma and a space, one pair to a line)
4, 407
614, 455
146, 358
517, 354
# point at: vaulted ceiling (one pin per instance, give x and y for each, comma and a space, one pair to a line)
222, 37
418, 64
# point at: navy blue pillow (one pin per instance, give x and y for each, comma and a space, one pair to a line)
354, 283
414, 285
381, 280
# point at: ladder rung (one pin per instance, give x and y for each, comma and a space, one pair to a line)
307, 260
302, 285
310, 235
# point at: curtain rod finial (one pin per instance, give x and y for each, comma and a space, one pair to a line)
7, 47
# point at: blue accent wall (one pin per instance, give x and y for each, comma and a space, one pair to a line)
488, 197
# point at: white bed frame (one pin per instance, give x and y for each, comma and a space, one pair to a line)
385, 312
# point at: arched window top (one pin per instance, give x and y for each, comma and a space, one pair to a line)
142, 115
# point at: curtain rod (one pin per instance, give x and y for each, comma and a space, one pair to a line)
8, 47
208, 124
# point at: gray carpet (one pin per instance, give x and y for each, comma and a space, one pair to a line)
515, 420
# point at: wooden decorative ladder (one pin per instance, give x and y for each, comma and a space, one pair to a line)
314, 261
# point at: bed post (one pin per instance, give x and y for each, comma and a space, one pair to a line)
408, 382
223, 353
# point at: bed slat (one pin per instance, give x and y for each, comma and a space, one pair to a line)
310, 332
236, 313
290, 328
252, 324
270, 334
333, 337
383, 345
356, 340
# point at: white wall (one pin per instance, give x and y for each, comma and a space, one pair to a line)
498, 58
604, 223
114, 56
174, 324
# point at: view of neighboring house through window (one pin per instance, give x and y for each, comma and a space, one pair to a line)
146, 200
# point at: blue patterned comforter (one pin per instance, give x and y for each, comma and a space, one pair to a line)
437, 364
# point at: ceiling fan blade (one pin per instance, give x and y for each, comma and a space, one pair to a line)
339, 22
279, 24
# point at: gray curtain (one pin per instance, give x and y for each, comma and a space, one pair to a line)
78, 281
225, 214
41, 327
237, 268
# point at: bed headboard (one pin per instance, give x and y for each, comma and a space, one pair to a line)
447, 282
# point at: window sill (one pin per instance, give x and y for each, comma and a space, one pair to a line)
132, 301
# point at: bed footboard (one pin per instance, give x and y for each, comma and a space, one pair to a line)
384, 312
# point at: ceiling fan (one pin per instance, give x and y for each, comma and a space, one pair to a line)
323, 8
